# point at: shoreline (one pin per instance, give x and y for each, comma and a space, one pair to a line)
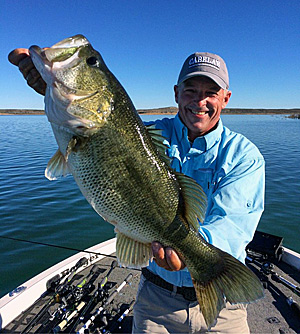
168, 111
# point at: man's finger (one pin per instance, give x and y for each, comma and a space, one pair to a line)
17, 55
173, 260
159, 255
166, 258
26, 66
39, 86
158, 251
32, 77
21, 58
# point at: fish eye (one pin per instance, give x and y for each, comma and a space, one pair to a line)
92, 61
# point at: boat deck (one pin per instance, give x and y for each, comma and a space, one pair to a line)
271, 314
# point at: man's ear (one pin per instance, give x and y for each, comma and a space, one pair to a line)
226, 99
176, 93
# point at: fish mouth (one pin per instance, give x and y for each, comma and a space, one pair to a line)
60, 51
62, 54
48, 61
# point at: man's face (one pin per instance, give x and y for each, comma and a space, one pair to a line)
200, 101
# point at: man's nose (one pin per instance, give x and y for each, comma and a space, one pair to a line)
200, 100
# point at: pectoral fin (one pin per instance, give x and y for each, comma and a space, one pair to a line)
58, 164
132, 253
57, 167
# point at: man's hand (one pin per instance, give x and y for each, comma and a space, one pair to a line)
167, 257
21, 58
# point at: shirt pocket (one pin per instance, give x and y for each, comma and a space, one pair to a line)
204, 176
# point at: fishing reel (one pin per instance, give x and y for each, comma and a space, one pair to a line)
266, 269
103, 292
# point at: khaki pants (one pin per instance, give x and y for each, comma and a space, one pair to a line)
160, 311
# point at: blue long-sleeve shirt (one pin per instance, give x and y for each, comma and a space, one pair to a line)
231, 171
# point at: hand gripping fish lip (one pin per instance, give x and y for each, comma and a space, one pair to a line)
60, 92
48, 60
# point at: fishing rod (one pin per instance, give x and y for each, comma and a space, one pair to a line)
118, 319
80, 291
98, 295
59, 289
267, 269
56, 284
99, 310
57, 246
75, 294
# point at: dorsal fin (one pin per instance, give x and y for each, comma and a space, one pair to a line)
195, 201
158, 140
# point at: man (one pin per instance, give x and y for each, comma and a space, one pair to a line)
229, 168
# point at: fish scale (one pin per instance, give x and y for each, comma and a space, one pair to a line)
121, 168
123, 202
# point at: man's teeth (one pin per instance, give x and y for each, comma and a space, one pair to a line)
198, 112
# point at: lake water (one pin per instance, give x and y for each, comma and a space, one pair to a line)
32, 207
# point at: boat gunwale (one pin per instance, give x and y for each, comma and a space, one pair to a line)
291, 257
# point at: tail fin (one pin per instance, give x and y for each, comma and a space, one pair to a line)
235, 284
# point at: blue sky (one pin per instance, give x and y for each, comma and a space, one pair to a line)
144, 43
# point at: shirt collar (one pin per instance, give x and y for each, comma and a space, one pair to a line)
210, 139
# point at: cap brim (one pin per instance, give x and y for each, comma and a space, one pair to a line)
212, 76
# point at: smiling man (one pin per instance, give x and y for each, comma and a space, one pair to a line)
230, 170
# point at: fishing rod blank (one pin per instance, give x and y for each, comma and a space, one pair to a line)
285, 282
55, 283
267, 269
56, 246
104, 280
81, 263
107, 302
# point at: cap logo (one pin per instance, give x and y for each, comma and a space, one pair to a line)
204, 60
